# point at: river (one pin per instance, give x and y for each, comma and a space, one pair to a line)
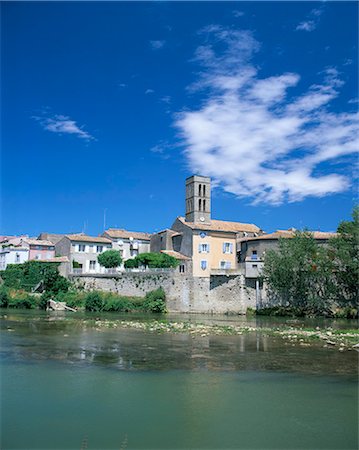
69, 386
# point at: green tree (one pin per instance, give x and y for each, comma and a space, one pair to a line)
110, 259
27, 275
300, 274
344, 252
156, 260
131, 263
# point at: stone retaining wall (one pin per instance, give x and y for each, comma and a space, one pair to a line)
215, 294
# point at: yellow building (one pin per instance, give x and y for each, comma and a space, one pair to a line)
210, 244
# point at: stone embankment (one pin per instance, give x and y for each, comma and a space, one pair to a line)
217, 294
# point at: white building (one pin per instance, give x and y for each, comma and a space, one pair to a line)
82, 252
128, 243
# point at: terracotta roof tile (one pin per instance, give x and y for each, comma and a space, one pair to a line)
34, 241
84, 238
176, 255
222, 225
287, 234
125, 234
57, 259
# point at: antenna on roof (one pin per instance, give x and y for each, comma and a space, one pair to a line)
104, 219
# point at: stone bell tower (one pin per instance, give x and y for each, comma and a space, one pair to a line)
198, 199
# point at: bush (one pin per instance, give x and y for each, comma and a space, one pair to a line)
110, 259
27, 275
4, 298
155, 301
119, 304
94, 302
73, 299
131, 264
151, 260
23, 301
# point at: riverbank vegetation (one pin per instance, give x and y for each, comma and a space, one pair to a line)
309, 279
93, 301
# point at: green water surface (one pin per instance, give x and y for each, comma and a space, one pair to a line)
64, 386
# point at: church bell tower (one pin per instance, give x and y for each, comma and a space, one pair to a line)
198, 199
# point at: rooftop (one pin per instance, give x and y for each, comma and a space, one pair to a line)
84, 238
125, 234
288, 234
222, 225
33, 241
176, 255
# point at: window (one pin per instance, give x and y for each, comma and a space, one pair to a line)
99, 248
200, 190
225, 265
203, 264
203, 248
204, 205
92, 265
204, 190
254, 266
17, 258
82, 247
133, 251
38, 256
199, 205
254, 254
227, 247
181, 268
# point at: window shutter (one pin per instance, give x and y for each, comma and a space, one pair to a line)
231, 248
208, 247
199, 248
224, 247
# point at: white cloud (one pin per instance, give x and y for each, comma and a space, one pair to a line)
307, 25
312, 20
149, 91
162, 149
63, 125
166, 99
237, 13
156, 45
253, 136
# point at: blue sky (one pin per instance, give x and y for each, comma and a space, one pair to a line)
110, 106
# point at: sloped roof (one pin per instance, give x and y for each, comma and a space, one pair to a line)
222, 225
176, 255
52, 237
125, 234
170, 232
320, 235
34, 241
56, 259
84, 238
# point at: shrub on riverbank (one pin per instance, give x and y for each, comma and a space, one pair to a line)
28, 275
12, 298
155, 301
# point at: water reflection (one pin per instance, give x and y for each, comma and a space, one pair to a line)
37, 336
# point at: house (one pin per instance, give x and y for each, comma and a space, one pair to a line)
40, 249
13, 250
128, 243
82, 251
17, 250
211, 245
252, 249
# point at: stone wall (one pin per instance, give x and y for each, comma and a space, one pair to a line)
216, 294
